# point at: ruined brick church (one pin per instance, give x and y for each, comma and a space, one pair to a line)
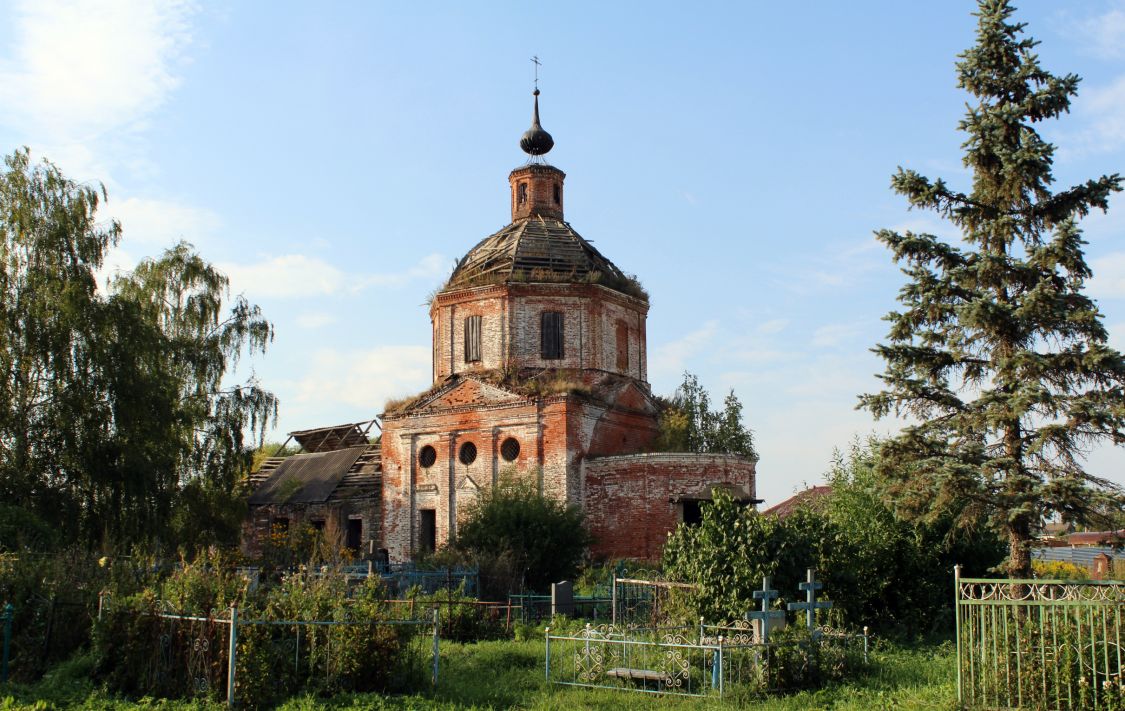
539, 372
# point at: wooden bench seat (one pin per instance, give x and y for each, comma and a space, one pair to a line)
636, 674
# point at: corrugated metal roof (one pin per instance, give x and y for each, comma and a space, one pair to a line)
1080, 555
306, 478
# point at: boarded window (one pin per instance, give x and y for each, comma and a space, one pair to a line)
551, 335
622, 345
427, 535
521, 194
472, 339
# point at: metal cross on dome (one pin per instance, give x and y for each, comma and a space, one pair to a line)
810, 605
537, 63
765, 614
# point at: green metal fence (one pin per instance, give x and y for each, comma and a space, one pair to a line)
1043, 644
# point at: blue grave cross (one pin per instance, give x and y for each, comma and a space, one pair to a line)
811, 605
765, 614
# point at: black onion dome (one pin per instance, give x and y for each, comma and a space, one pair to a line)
535, 141
539, 249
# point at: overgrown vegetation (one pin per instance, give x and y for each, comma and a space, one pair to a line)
138, 653
862, 551
509, 674
627, 284
688, 424
515, 533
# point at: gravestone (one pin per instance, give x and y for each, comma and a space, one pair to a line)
562, 598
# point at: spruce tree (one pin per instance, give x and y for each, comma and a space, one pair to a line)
998, 358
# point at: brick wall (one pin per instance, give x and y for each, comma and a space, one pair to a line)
537, 190
256, 525
594, 318
630, 500
449, 484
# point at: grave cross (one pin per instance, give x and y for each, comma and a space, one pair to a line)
810, 606
765, 614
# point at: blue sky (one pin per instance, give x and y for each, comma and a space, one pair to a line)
336, 158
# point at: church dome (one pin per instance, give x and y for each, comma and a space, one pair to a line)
539, 249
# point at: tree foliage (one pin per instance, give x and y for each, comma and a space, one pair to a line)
688, 424
879, 570
542, 539
116, 419
998, 356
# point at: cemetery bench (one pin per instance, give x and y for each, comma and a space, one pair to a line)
645, 675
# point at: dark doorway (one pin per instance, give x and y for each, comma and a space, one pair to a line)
354, 535
427, 534
693, 515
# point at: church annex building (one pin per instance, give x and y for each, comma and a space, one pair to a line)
539, 372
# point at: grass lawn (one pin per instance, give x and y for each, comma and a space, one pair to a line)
510, 675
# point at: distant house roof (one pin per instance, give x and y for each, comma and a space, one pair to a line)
1096, 538
809, 497
306, 478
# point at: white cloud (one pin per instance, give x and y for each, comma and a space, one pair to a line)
299, 275
316, 319
79, 68
364, 378
1101, 111
835, 334
285, 276
162, 223
1104, 34
669, 359
772, 326
431, 266
847, 265
1108, 281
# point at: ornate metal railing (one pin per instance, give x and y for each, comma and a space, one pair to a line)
676, 661
606, 656
1046, 644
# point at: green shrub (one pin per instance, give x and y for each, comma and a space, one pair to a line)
512, 528
139, 653
54, 598
878, 570
1059, 570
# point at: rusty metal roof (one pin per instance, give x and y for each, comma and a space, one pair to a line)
306, 478
539, 249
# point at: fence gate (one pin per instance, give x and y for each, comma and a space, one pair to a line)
1045, 644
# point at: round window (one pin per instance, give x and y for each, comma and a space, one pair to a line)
510, 449
468, 453
427, 457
